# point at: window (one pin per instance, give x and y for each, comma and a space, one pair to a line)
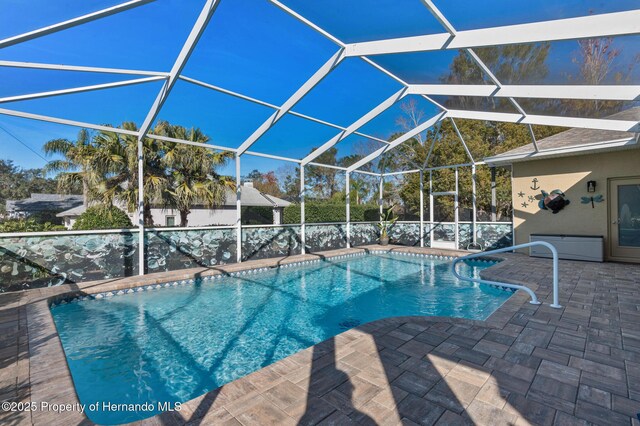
170, 221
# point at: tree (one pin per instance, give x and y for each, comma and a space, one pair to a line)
192, 169
596, 59
511, 64
102, 217
323, 180
76, 169
176, 176
289, 176
116, 160
18, 183
265, 182
359, 189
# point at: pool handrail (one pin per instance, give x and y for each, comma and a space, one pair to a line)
534, 298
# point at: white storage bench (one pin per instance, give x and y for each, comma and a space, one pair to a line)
571, 247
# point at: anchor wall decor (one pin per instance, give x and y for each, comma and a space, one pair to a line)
535, 186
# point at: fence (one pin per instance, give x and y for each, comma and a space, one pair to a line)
31, 260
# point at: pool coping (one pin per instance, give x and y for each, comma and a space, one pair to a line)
49, 375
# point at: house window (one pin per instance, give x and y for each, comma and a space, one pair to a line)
170, 221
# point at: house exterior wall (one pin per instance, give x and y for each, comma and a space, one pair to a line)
570, 175
197, 217
202, 217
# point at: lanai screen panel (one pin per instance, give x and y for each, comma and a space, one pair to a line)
329, 64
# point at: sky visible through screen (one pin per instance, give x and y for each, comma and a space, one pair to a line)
254, 48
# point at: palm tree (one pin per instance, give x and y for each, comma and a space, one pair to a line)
359, 188
117, 156
76, 168
176, 175
194, 180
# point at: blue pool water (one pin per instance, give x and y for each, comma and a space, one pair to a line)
174, 344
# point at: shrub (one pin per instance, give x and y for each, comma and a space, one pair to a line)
28, 225
316, 212
102, 217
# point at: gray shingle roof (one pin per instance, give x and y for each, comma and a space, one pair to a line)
76, 211
250, 197
44, 202
575, 138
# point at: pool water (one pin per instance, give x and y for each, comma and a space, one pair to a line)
174, 344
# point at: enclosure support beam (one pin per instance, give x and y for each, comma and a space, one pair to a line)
272, 106
380, 194
456, 208
548, 120
533, 138
464, 144
71, 23
411, 133
431, 222
79, 68
312, 82
141, 236
474, 205
421, 208
540, 91
187, 48
493, 195
303, 235
485, 69
82, 89
592, 26
383, 106
64, 121
347, 187
238, 211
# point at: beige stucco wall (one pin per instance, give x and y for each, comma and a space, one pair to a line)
570, 175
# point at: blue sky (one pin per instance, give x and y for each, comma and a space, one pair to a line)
251, 47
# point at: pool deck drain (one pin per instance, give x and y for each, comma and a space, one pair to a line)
525, 364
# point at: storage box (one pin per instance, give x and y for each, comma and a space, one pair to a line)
570, 247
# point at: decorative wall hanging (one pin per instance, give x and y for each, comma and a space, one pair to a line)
535, 186
594, 199
554, 201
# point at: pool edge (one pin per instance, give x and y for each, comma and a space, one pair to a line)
51, 379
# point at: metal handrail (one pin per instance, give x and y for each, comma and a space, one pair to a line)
534, 298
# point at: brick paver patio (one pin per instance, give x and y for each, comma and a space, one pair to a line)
526, 364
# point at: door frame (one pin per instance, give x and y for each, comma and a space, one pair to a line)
610, 228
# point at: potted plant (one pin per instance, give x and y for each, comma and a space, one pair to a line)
386, 220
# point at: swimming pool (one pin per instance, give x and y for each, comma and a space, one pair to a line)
174, 344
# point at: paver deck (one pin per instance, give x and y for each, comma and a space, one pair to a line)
525, 364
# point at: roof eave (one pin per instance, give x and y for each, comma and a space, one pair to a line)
612, 145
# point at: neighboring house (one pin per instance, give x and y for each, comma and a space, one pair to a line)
568, 161
41, 204
201, 215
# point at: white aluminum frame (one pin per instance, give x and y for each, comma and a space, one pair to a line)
602, 25
82, 89
58, 67
187, 48
316, 78
592, 26
103, 13
541, 91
